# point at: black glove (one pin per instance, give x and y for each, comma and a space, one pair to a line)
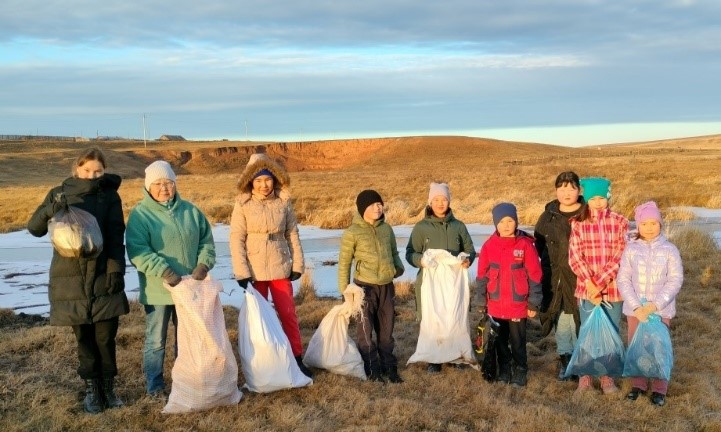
59, 203
398, 273
294, 276
243, 282
170, 277
116, 282
200, 272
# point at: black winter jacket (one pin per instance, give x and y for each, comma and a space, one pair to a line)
84, 291
552, 232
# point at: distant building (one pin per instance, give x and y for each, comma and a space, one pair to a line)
171, 138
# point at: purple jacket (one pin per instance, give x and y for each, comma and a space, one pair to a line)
650, 270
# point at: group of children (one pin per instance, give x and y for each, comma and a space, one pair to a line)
582, 256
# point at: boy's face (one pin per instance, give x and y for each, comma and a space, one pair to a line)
649, 229
506, 227
567, 194
373, 212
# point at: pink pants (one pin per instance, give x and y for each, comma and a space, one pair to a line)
282, 292
657, 385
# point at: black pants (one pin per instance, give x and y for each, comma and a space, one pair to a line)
515, 332
96, 349
378, 315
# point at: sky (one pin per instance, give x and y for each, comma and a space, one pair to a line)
568, 72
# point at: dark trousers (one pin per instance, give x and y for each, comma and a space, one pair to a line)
378, 316
96, 349
513, 331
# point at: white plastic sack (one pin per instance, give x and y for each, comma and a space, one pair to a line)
265, 354
330, 347
444, 336
205, 374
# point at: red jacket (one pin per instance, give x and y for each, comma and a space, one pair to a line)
509, 276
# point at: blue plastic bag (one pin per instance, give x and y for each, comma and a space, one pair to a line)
599, 349
650, 353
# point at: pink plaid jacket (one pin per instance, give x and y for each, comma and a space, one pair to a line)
594, 252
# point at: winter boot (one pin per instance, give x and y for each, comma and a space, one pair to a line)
520, 376
563, 361
93, 403
504, 373
433, 368
303, 367
374, 373
111, 399
392, 374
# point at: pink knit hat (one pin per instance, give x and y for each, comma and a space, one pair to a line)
647, 210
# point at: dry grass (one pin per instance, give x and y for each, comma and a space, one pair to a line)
39, 389
682, 173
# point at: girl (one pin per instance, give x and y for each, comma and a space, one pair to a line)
264, 242
438, 230
650, 270
598, 237
89, 293
559, 307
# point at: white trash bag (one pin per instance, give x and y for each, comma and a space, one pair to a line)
205, 374
266, 357
445, 297
330, 347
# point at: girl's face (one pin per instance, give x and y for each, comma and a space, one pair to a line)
439, 205
598, 203
567, 194
373, 212
91, 169
263, 185
649, 229
506, 227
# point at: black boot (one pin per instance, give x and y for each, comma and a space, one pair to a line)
92, 403
520, 376
111, 399
433, 368
504, 373
374, 374
303, 367
563, 361
392, 374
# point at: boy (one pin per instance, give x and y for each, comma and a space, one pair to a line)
370, 242
509, 286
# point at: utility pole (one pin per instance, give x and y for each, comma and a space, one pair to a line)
145, 135
246, 130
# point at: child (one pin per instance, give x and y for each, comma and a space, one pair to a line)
370, 242
598, 237
509, 285
559, 307
650, 270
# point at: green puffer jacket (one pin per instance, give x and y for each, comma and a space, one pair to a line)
158, 236
374, 250
447, 233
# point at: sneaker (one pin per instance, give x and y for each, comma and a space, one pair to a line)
519, 378
585, 383
504, 374
658, 399
634, 393
433, 368
608, 386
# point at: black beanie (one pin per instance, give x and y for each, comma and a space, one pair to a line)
366, 198
502, 210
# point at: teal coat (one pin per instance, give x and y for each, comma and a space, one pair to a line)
158, 236
373, 249
447, 233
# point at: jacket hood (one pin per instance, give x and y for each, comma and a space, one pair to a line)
260, 161
358, 220
78, 186
555, 205
447, 218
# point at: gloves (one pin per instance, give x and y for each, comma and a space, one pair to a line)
170, 277
200, 272
59, 203
116, 283
294, 276
243, 282
398, 273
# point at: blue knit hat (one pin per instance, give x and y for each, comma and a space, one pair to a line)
595, 186
263, 172
502, 210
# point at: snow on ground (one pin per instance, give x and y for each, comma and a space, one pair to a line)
24, 261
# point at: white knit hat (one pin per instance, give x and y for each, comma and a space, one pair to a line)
156, 171
439, 189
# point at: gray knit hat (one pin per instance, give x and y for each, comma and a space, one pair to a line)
156, 171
